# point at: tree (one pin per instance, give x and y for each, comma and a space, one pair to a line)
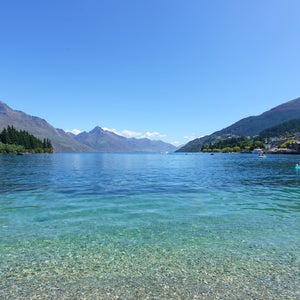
4, 137
27, 142
258, 144
285, 144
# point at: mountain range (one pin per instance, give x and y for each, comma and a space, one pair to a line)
250, 126
107, 141
97, 140
38, 127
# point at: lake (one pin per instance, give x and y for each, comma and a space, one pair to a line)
149, 226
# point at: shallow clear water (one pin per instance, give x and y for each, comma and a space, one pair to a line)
149, 226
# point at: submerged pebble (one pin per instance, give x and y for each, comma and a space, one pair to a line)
149, 227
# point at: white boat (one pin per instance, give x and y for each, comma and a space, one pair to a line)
257, 150
262, 154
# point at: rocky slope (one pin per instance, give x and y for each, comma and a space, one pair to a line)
97, 140
106, 141
40, 128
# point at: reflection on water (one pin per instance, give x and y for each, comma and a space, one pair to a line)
146, 226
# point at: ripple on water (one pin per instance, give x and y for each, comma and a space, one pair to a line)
123, 226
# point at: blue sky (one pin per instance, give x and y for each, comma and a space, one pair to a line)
167, 69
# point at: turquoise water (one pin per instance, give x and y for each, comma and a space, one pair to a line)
149, 226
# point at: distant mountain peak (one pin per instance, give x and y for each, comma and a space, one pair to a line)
289, 105
4, 107
107, 141
96, 129
97, 140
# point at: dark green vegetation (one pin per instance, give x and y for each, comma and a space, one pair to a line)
232, 144
281, 121
253, 125
285, 133
286, 129
14, 141
40, 128
97, 140
251, 132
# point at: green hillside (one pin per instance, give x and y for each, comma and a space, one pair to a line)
15, 141
284, 129
250, 126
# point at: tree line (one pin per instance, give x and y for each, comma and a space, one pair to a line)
14, 141
232, 144
284, 129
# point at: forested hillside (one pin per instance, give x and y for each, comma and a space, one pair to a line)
250, 126
40, 128
284, 129
14, 141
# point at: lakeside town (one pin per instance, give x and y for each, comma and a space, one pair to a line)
283, 145
272, 145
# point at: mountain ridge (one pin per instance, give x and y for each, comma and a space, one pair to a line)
40, 128
102, 140
97, 140
252, 125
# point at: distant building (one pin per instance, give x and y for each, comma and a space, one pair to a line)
295, 146
268, 146
257, 150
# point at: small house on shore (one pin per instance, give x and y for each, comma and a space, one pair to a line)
295, 146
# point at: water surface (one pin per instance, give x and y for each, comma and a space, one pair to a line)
149, 226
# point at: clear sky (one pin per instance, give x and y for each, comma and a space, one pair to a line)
173, 70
